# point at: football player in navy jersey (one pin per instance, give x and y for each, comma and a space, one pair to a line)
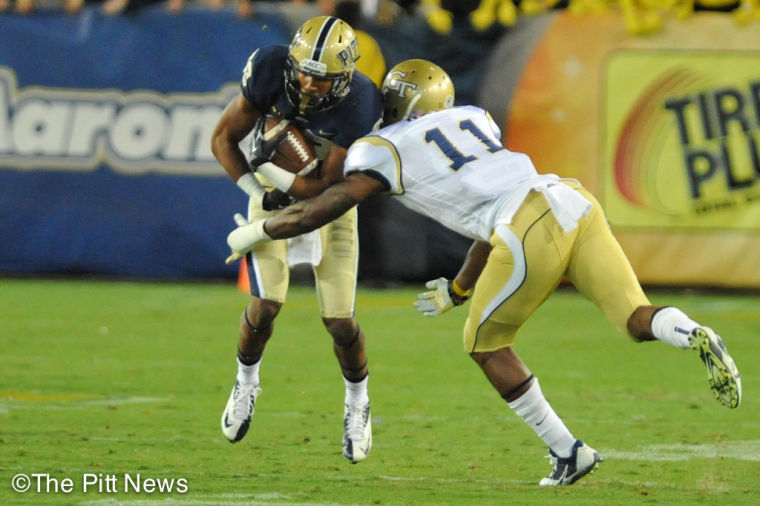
312, 83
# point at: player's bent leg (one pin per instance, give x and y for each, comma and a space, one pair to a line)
256, 324
511, 378
348, 345
673, 327
269, 277
722, 373
336, 288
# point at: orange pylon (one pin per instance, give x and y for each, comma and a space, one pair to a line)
243, 283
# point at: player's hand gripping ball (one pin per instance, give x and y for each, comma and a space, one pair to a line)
295, 152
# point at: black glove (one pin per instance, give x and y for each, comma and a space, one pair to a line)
262, 150
275, 199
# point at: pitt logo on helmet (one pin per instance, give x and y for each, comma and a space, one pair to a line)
349, 55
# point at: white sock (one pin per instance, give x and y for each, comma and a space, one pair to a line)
356, 393
248, 374
672, 326
533, 408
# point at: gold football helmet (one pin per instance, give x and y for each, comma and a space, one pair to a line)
413, 88
325, 48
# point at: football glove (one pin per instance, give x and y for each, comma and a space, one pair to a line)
275, 199
263, 145
245, 237
440, 298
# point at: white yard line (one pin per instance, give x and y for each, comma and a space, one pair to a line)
739, 450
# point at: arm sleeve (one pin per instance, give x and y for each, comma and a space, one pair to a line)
377, 158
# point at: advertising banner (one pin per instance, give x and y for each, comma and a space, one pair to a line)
105, 131
664, 129
681, 139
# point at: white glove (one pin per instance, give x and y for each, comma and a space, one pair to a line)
245, 237
437, 300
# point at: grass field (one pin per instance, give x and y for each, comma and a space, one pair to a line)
105, 381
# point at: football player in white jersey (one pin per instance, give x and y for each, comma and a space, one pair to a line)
448, 163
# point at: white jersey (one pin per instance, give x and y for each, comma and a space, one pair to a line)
449, 165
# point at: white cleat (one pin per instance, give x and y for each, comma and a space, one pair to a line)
721, 370
357, 432
584, 460
237, 414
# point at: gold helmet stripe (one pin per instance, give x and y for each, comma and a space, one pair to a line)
323, 37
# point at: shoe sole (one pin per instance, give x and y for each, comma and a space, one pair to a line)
724, 378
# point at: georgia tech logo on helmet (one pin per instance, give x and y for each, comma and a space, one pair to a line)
396, 83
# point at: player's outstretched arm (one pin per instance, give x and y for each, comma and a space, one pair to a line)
310, 214
303, 216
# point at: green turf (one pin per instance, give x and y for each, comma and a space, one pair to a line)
129, 378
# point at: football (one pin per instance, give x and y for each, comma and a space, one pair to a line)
295, 153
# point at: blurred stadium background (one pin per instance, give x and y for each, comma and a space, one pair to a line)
106, 170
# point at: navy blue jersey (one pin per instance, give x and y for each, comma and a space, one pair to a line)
263, 85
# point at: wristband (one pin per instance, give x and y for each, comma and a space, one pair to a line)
457, 295
251, 186
279, 177
459, 291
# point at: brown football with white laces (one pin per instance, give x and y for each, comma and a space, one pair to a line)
295, 153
